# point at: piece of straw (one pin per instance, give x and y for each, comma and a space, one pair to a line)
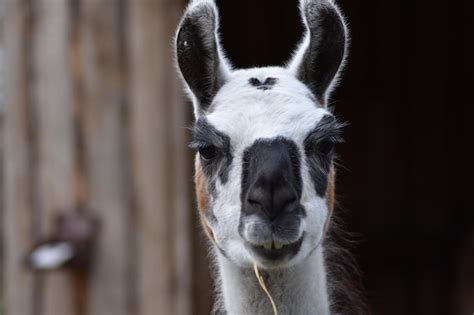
264, 287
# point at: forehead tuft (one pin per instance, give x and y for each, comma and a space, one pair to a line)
268, 84
264, 103
255, 82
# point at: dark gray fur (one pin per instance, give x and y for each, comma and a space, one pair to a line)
197, 50
204, 135
326, 50
327, 132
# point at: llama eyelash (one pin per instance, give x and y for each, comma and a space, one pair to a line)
205, 134
327, 129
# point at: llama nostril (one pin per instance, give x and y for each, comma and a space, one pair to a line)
271, 200
291, 204
255, 205
253, 202
256, 196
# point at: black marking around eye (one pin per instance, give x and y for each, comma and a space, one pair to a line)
205, 134
266, 85
327, 129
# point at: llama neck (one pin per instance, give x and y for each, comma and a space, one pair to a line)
300, 289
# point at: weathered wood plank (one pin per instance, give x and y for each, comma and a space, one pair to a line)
162, 226
193, 284
18, 232
68, 116
103, 108
149, 141
180, 113
55, 137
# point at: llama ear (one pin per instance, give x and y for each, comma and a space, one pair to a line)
200, 60
319, 58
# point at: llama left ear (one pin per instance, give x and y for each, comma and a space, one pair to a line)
200, 58
318, 60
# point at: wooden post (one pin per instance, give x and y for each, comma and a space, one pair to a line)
18, 233
157, 134
2, 110
52, 123
105, 152
95, 120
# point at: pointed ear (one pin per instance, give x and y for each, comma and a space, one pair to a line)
199, 55
318, 60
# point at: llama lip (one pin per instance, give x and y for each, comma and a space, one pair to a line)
275, 251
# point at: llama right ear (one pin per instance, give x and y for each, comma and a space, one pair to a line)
318, 60
200, 60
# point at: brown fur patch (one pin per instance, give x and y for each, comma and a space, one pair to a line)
202, 195
330, 197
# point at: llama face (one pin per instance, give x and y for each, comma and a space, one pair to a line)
264, 138
266, 156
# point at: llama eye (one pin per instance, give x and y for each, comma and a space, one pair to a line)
326, 147
208, 153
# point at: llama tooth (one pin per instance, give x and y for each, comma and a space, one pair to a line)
278, 245
267, 245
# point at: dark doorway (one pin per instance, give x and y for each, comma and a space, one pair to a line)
406, 182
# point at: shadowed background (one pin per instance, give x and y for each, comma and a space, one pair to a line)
95, 118
405, 185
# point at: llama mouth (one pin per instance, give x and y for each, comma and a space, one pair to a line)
276, 251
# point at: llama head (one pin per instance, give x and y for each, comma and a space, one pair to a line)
264, 136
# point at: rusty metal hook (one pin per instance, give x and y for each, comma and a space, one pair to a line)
71, 246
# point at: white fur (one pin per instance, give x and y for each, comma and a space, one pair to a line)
300, 289
246, 114
298, 55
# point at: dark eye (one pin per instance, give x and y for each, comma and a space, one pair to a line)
326, 147
208, 153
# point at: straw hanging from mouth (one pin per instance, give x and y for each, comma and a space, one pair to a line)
264, 287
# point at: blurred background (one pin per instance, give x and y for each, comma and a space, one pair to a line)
94, 123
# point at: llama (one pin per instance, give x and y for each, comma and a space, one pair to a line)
264, 169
